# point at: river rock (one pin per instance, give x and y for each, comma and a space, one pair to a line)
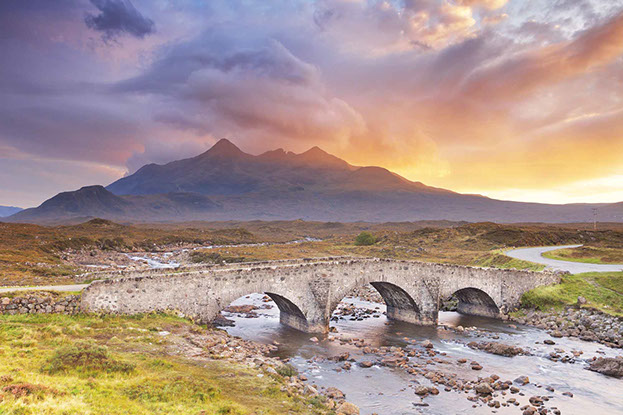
241, 309
522, 380
500, 349
483, 388
310, 390
421, 390
334, 393
608, 366
347, 408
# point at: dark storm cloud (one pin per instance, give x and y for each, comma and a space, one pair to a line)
117, 17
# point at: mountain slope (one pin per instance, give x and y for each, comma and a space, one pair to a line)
8, 210
96, 201
225, 170
225, 183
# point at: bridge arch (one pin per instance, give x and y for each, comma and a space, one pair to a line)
297, 308
289, 313
406, 300
400, 305
474, 301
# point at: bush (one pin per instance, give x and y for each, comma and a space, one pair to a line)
287, 370
85, 357
365, 239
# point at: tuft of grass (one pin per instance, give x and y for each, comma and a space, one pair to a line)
85, 357
37, 392
602, 291
287, 370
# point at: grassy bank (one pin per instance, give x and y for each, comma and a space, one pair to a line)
588, 254
55, 364
603, 291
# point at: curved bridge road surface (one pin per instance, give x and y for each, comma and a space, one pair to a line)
535, 255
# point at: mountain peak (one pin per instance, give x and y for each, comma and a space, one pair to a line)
224, 148
93, 188
317, 156
278, 154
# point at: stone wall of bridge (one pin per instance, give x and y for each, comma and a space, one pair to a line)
307, 291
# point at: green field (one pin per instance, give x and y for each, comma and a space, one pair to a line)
588, 254
55, 364
603, 291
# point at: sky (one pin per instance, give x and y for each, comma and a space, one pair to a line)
512, 99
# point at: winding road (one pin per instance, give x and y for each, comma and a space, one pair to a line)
535, 255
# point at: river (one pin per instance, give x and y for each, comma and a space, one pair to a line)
390, 391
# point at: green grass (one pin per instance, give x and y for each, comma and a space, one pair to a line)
588, 254
56, 364
39, 293
496, 259
601, 290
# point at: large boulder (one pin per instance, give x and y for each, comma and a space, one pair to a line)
500, 349
609, 366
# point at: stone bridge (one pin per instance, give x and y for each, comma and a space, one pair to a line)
307, 291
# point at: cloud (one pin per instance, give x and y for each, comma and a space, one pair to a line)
457, 94
384, 27
487, 4
117, 17
256, 90
519, 75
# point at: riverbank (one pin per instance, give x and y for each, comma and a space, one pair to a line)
600, 291
582, 323
160, 364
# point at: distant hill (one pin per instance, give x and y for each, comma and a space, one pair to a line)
97, 202
224, 183
8, 210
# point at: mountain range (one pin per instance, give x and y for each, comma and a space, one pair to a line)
225, 183
8, 210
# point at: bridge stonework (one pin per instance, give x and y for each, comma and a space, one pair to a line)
307, 291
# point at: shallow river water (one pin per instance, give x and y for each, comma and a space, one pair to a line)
390, 391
